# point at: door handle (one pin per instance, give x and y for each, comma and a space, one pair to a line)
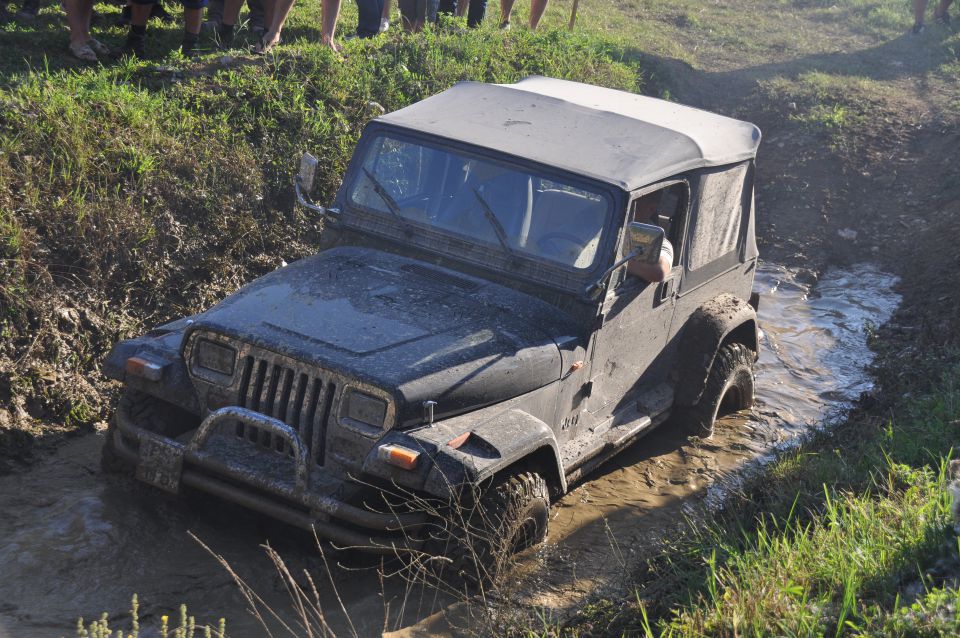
666, 289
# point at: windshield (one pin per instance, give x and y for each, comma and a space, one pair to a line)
519, 212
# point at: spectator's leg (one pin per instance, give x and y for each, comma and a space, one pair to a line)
941, 14
919, 8
258, 20
328, 26
78, 18
476, 13
446, 7
136, 37
192, 18
29, 9
231, 12
537, 7
368, 17
214, 14
385, 16
506, 8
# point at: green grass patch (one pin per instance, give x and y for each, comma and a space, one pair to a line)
835, 538
138, 192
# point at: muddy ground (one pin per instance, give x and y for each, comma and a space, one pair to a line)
888, 193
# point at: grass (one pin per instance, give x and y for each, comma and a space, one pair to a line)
139, 192
186, 626
849, 534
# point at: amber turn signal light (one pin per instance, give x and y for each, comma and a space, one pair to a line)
140, 367
398, 456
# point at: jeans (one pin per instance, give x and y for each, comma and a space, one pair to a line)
368, 17
475, 12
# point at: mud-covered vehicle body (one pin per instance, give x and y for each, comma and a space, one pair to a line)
469, 321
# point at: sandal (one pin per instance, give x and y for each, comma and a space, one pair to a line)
98, 47
83, 52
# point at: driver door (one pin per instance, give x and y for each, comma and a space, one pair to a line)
636, 315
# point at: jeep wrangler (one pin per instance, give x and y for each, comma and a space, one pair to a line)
469, 333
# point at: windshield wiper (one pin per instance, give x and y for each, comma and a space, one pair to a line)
494, 222
388, 200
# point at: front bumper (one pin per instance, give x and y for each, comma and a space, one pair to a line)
282, 486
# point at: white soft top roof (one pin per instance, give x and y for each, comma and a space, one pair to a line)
613, 136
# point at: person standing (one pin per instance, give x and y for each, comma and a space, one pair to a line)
537, 8
258, 23
140, 13
940, 14
277, 12
82, 46
475, 10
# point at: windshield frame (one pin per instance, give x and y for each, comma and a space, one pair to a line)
448, 244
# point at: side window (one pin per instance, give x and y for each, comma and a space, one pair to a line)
667, 209
716, 229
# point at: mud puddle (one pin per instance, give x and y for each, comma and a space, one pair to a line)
812, 365
76, 543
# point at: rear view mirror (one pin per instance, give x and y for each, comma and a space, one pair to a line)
308, 171
645, 241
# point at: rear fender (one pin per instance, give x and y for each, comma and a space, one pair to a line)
723, 319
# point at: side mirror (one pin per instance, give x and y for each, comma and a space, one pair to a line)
308, 171
303, 183
646, 240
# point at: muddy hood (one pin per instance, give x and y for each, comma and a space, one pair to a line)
418, 331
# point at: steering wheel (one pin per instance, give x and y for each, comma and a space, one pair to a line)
551, 243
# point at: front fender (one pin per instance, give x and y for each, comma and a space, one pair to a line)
492, 446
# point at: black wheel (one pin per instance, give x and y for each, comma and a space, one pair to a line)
510, 516
729, 389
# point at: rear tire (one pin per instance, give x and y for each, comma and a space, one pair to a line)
729, 389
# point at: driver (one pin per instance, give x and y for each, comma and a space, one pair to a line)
646, 213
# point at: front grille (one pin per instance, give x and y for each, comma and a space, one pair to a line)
289, 392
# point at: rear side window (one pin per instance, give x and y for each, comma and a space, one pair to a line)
716, 229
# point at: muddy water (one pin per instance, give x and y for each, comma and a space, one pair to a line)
75, 543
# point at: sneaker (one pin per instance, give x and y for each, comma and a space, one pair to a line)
943, 18
225, 36
917, 29
189, 45
505, 26
135, 46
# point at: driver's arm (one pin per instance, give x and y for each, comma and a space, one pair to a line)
653, 272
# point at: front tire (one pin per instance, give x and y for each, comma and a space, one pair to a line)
510, 516
729, 389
